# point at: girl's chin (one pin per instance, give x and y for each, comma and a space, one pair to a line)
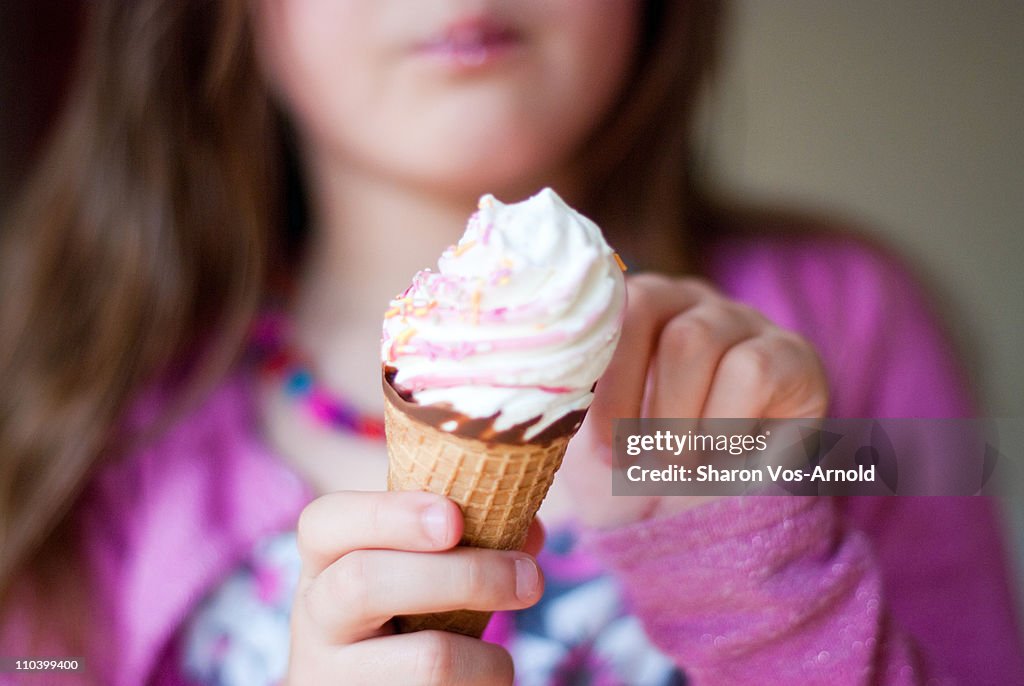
484, 169
472, 162
472, 181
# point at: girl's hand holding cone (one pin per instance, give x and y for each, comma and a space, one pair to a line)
367, 557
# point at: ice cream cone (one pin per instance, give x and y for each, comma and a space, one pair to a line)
490, 363
498, 486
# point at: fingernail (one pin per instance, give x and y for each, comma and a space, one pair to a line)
527, 578
435, 523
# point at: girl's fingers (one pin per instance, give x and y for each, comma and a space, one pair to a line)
690, 348
338, 523
353, 598
430, 658
774, 375
652, 300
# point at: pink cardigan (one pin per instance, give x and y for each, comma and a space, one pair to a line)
745, 590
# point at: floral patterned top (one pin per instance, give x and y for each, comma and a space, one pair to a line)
579, 633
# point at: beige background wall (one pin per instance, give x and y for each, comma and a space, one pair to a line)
907, 116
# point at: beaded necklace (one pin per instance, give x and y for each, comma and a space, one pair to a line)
278, 361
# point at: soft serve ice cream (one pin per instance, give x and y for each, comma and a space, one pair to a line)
507, 339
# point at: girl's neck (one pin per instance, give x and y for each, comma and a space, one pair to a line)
369, 236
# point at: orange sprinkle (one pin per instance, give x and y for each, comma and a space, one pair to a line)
403, 337
622, 265
476, 306
502, 281
423, 310
393, 312
463, 247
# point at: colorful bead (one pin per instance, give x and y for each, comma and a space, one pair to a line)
298, 383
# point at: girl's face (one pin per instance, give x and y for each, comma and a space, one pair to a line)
462, 96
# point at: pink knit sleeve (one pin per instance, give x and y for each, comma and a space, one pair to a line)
746, 587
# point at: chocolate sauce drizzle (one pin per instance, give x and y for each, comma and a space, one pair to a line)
478, 428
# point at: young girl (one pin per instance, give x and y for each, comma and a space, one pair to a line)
175, 302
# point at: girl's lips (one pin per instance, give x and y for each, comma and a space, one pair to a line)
470, 43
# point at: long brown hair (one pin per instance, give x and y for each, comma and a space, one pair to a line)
141, 244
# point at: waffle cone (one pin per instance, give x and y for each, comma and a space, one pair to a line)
499, 488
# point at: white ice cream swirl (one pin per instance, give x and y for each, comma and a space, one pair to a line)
520, 320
